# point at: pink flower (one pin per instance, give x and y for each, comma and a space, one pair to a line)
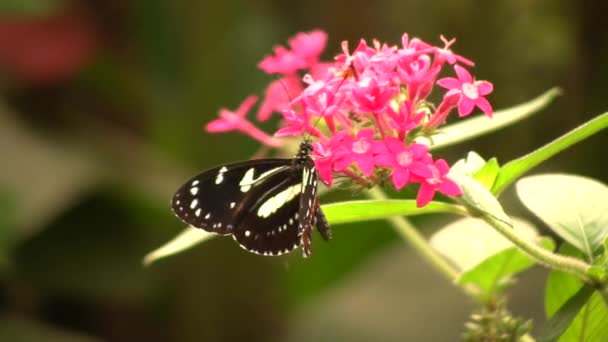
419, 76
304, 53
284, 62
445, 54
232, 120
438, 181
324, 104
278, 96
405, 120
360, 58
405, 161
471, 91
450, 100
358, 150
309, 46
229, 121
412, 48
297, 124
325, 156
378, 90
371, 97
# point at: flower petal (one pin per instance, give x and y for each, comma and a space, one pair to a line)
463, 74
450, 83
448, 187
400, 177
425, 195
220, 125
484, 87
421, 170
465, 106
366, 164
442, 166
385, 159
485, 106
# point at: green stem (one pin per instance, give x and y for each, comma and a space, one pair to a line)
409, 233
541, 255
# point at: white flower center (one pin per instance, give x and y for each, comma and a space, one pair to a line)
361, 146
436, 179
404, 158
470, 91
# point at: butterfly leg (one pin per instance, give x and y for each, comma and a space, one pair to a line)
320, 221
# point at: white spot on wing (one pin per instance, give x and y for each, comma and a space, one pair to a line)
232, 204
247, 233
195, 182
207, 216
197, 212
277, 201
249, 179
194, 191
194, 203
220, 175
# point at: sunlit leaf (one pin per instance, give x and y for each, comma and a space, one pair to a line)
563, 318
487, 174
470, 128
495, 273
468, 242
516, 168
478, 198
366, 210
469, 165
589, 323
574, 207
186, 239
336, 213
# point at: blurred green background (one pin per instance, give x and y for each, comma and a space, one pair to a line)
102, 109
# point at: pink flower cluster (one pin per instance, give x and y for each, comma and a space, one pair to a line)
366, 108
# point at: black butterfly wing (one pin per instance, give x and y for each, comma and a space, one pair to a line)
214, 199
308, 205
270, 225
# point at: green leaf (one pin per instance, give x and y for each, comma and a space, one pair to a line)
590, 322
574, 207
366, 210
469, 241
469, 165
494, 274
487, 174
560, 285
336, 213
566, 314
470, 128
515, 168
187, 239
478, 198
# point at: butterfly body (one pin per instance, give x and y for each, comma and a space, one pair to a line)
268, 205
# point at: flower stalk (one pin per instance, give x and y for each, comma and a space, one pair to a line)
541, 255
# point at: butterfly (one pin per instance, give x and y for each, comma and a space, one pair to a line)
269, 206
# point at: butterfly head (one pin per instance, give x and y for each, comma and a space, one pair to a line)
304, 151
